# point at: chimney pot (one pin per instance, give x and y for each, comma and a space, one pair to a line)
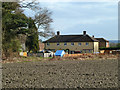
93, 36
84, 32
58, 32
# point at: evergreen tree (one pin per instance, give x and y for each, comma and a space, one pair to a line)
16, 24
13, 24
32, 38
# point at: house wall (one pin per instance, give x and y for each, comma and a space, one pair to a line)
83, 47
96, 46
102, 44
41, 46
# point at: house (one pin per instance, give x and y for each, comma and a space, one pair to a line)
73, 43
102, 42
41, 46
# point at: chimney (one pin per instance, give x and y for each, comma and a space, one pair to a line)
84, 32
58, 32
93, 36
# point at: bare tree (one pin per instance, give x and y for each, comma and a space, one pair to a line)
42, 18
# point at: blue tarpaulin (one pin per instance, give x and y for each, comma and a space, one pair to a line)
59, 53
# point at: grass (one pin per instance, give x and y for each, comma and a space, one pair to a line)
36, 59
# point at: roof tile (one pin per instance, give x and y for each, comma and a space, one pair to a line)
71, 38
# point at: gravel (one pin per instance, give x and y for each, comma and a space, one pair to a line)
61, 74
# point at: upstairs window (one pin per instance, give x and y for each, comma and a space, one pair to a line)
79, 44
90, 51
65, 44
72, 44
58, 44
87, 44
48, 44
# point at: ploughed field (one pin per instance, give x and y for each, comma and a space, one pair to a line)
61, 74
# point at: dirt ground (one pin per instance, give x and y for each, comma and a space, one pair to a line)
61, 74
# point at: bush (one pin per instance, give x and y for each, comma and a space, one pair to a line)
110, 48
12, 47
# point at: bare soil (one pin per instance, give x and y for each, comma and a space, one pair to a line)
61, 74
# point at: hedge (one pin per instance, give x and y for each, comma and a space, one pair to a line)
109, 48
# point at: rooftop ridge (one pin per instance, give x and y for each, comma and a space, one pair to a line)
71, 38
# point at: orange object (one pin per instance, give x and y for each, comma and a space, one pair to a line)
25, 54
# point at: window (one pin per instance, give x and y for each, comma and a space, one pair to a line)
72, 52
72, 44
89, 51
87, 44
48, 44
79, 44
58, 44
65, 44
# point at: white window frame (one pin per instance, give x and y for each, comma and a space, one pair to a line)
72, 44
48, 44
86, 43
79, 43
58, 44
65, 44
89, 50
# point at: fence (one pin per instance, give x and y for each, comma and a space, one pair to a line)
41, 54
76, 55
65, 55
36, 54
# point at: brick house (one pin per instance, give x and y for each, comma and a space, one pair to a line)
103, 42
72, 43
41, 46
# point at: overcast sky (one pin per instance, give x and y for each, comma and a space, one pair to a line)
97, 18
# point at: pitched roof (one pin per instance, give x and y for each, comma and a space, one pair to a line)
71, 38
102, 39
